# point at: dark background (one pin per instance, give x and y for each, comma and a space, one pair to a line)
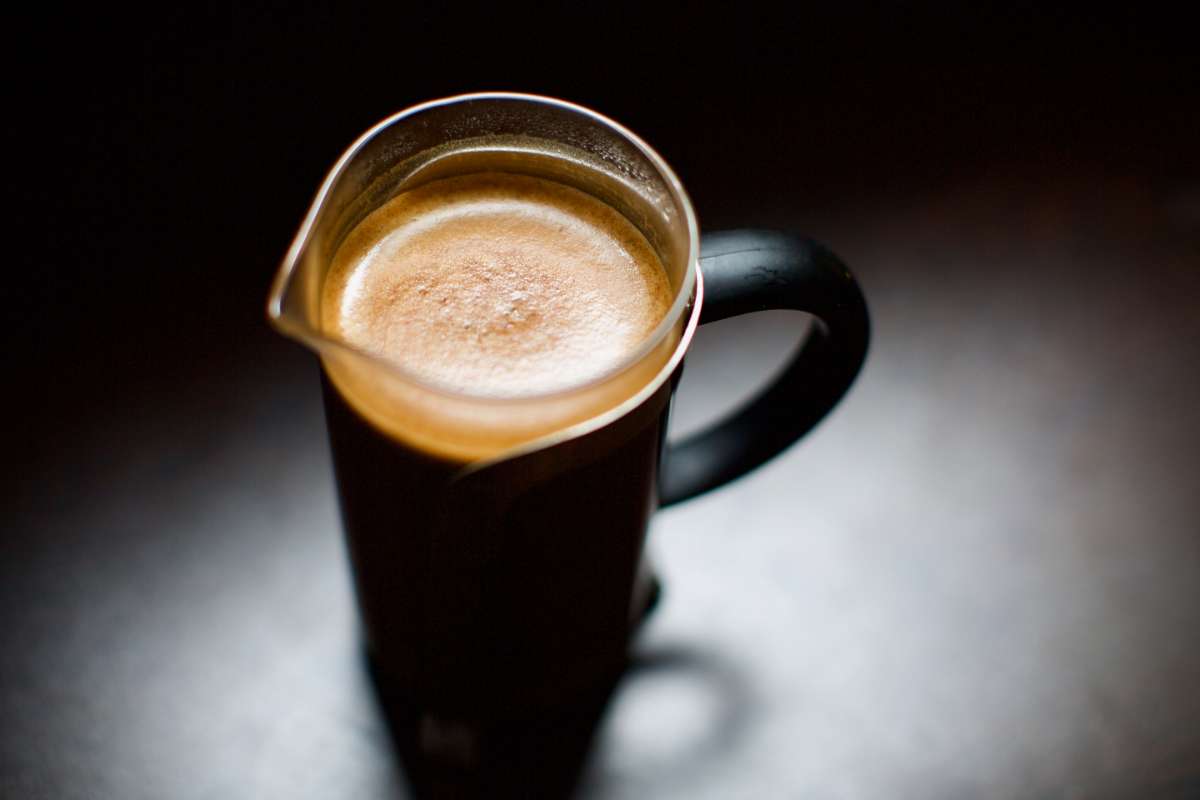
168, 162
1017, 189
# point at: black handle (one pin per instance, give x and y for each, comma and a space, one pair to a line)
753, 270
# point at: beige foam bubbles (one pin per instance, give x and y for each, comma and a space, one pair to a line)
491, 285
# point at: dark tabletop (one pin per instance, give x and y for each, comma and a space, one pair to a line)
980, 577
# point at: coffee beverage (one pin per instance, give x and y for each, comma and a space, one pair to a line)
499, 287
496, 284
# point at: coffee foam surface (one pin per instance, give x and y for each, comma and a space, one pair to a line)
496, 285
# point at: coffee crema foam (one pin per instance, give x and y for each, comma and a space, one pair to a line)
497, 285
493, 287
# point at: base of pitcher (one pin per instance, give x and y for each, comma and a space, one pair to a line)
537, 753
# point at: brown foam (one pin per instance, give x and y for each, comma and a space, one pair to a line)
496, 285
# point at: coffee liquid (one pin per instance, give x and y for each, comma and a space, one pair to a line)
495, 590
496, 284
493, 287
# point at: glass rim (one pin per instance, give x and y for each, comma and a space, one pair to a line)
319, 340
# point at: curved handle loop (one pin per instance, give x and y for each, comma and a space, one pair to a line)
756, 270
